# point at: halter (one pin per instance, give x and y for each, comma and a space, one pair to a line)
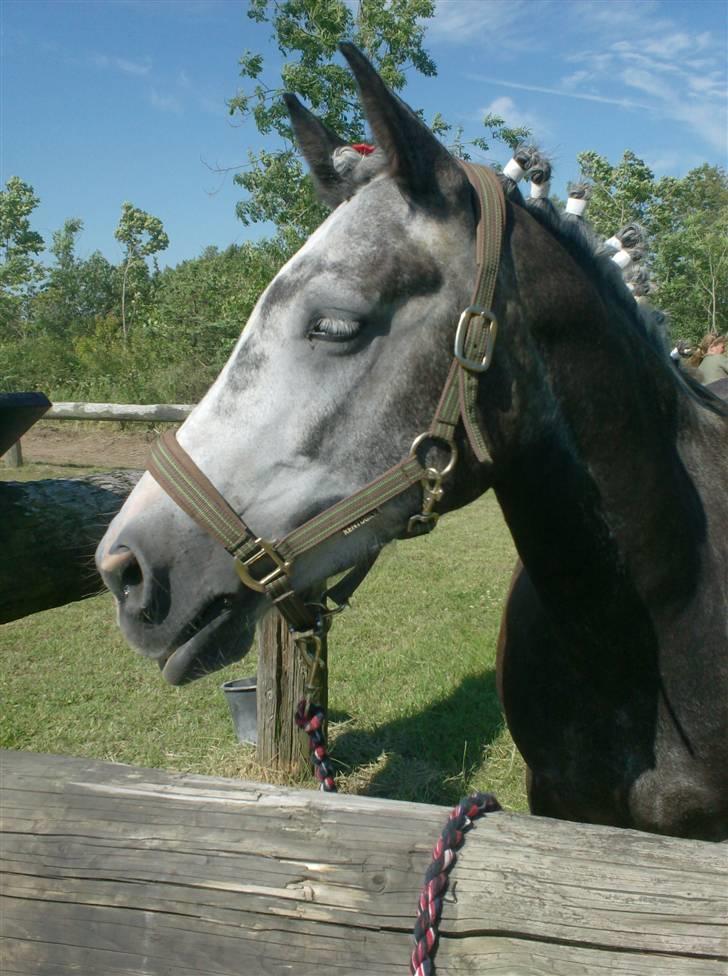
265, 566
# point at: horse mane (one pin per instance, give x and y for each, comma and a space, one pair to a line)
589, 252
358, 168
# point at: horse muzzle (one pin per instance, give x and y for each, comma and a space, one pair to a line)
209, 624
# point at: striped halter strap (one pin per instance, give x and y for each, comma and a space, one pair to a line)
264, 565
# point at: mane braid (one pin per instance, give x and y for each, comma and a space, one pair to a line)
586, 249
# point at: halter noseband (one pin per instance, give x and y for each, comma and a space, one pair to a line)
265, 566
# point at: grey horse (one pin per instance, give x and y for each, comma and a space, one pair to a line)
610, 467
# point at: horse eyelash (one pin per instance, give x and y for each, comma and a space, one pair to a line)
334, 330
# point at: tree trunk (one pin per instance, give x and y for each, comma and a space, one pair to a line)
123, 299
50, 530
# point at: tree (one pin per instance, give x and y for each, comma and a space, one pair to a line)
142, 236
307, 32
19, 245
204, 303
691, 269
56, 308
76, 291
620, 194
98, 289
499, 130
686, 225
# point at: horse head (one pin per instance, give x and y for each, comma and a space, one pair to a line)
338, 370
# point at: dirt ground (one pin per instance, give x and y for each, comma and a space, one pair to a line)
102, 445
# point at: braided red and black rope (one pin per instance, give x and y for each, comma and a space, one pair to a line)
436, 878
311, 719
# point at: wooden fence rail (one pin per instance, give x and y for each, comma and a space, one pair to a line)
163, 412
113, 870
139, 412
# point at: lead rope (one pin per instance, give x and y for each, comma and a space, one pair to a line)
433, 890
309, 717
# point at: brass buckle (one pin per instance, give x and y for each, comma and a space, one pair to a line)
243, 567
475, 311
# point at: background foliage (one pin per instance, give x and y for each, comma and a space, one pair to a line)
84, 328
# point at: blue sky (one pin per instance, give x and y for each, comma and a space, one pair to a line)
117, 100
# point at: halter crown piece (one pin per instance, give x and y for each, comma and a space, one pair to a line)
265, 566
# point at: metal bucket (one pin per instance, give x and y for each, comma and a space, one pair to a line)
241, 699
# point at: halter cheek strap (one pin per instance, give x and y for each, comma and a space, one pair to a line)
265, 566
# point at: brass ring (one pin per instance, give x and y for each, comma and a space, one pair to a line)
434, 437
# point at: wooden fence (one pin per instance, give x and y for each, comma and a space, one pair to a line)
144, 412
113, 870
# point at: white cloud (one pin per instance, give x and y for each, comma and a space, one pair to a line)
545, 90
457, 21
191, 93
515, 117
654, 59
611, 17
672, 45
672, 162
577, 78
124, 65
642, 56
643, 81
165, 102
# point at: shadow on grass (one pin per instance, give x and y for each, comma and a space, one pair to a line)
428, 757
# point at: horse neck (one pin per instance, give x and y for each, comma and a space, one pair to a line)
585, 420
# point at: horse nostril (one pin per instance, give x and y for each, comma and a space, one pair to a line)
131, 577
142, 594
121, 572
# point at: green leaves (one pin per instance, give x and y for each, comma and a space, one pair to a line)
690, 259
19, 245
621, 193
307, 33
140, 232
142, 236
687, 225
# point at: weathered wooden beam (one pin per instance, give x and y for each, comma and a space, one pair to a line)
111, 870
50, 530
163, 412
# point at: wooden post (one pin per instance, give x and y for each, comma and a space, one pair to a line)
281, 684
18, 413
14, 456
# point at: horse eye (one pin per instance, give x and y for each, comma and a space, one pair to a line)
333, 330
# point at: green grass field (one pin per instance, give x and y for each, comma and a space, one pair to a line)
414, 711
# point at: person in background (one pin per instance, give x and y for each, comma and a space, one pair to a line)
714, 365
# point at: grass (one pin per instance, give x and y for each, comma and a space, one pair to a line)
414, 711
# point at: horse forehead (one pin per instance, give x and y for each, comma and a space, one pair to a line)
364, 243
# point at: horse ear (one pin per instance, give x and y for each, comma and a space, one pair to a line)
317, 143
417, 159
